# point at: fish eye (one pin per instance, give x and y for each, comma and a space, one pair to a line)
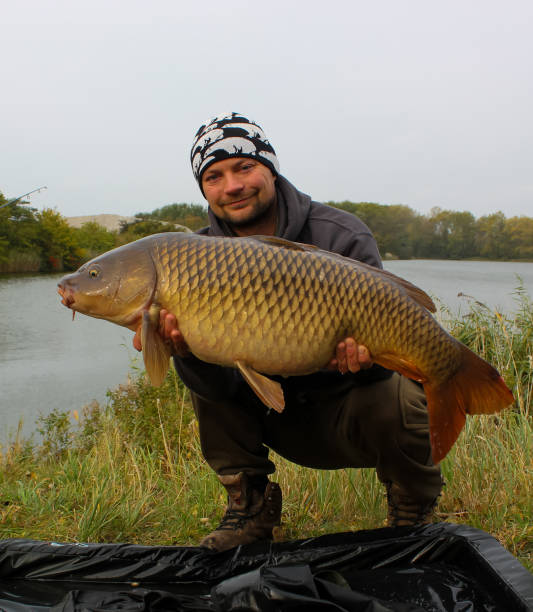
94, 272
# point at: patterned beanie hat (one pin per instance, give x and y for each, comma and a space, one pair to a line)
230, 135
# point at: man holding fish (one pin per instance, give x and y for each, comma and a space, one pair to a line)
351, 414
261, 310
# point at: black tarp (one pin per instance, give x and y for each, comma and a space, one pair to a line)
441, 567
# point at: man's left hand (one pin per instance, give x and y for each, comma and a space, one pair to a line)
350, 357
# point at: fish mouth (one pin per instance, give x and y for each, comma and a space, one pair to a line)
131, 321
67, 298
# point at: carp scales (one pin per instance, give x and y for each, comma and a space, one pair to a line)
269, 306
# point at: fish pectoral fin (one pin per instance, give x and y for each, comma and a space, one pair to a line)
267, 390
405, 367
156, 353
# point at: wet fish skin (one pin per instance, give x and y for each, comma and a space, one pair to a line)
283, 310
268, 306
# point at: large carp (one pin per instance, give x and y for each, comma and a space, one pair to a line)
269, 306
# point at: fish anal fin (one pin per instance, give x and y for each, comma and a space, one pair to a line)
267, 390
405, 367
156, 353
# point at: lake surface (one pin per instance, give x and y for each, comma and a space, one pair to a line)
47, 361
489, 282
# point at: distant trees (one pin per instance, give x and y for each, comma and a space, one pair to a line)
390, 225
94, 239
443, 234
170, 218
142, 227
43, 241
32, 241
491, 238
519, 232
19, 232
57, 242
193, 216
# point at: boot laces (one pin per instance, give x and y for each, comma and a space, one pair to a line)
234, 519
403, 508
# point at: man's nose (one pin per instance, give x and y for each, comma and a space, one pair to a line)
232, 184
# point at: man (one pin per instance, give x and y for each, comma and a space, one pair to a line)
353, 414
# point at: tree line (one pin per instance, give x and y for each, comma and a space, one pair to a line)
43, 241
443, 234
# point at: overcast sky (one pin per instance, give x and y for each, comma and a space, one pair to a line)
413, 102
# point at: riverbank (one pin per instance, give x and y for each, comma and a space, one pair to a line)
133, 471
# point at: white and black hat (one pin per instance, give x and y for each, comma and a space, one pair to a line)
230, 135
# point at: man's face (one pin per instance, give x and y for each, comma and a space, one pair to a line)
240, 191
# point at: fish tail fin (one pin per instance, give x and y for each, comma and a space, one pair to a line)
476, 388
446, 417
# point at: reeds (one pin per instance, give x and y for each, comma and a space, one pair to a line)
133, 471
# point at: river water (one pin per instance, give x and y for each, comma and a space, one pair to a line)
47, 361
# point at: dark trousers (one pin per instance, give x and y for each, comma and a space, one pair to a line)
383, 425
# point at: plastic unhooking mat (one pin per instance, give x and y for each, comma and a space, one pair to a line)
442, 567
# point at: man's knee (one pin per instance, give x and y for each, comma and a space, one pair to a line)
390, 420
376, 409
413, 433
399, 427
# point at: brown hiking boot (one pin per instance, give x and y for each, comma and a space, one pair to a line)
251, 514
404, 510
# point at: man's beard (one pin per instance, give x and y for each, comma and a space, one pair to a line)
263, 212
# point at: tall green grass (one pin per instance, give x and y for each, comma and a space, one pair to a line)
133, 471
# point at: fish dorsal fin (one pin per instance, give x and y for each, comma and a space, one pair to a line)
286, 244
156, 353
420, 296
267, 390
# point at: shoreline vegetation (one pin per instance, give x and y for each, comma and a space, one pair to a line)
132, 470
34, 241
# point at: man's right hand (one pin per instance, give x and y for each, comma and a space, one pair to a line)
169, 331
350, 357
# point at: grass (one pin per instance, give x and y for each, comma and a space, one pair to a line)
133, 471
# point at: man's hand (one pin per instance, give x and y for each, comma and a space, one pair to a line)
169, 331
350, 357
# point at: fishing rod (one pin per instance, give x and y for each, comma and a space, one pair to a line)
14, 200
